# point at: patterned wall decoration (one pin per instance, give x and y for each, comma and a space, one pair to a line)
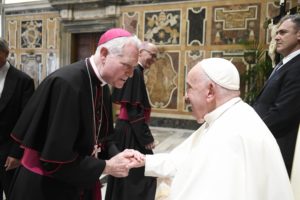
52, 63
34, 43
235, 24
31, 34
130, 22
185, 32
196, 26
162, 27
192, 58
32, 65
162, 81
197, 30
12, 34
52, 27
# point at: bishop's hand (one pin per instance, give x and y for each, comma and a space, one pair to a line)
120, 164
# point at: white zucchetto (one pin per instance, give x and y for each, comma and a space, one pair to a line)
222, 72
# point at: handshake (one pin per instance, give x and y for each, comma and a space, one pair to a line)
120, 164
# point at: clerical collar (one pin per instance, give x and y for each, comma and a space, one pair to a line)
141, 64
290, 56
215, 114
96, 71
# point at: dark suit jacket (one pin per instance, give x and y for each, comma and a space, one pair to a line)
278, 104
18, 88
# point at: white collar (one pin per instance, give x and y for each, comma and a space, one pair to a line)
96, 71
140, 64
215, 114
290, 56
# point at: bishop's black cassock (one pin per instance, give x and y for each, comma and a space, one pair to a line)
57, 133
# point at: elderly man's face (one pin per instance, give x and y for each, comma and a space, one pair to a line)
117, 69
148, 56
196, 93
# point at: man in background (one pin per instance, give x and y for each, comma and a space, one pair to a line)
278, 102
16, 88
233, 155
132, 130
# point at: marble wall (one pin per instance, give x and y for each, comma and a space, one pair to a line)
187, 32
34, 42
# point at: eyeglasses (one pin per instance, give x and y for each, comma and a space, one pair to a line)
153, 55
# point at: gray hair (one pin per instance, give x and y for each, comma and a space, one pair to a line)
4, 46
294, 18
116, 45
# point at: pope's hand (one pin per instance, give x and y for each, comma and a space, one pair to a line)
138, 160
120, 164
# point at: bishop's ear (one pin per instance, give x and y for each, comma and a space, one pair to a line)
104, 52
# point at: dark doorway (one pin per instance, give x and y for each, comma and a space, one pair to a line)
83, 45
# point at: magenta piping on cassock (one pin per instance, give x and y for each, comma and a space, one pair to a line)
31, 161
123, 113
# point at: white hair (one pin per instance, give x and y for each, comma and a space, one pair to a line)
116, 45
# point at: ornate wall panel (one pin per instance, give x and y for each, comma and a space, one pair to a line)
52, 32
32, 65
185, 33
12, 33
195, 26
235, 24
52, 63
31, 34
195, 30
130, 22
162, 27
34, 42
162, 81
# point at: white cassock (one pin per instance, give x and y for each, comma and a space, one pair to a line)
232, 156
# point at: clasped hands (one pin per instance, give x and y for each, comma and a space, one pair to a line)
120, 164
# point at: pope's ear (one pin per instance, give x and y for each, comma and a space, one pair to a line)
211, 92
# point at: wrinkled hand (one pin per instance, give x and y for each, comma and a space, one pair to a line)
118, 165
138, 160
150, 146
11, 163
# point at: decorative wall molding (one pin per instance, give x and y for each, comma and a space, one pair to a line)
185, 32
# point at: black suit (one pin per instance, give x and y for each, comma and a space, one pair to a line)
18, 88
278, 104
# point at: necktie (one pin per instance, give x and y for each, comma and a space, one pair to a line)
276, 68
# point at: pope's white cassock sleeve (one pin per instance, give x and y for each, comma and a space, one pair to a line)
233, 156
